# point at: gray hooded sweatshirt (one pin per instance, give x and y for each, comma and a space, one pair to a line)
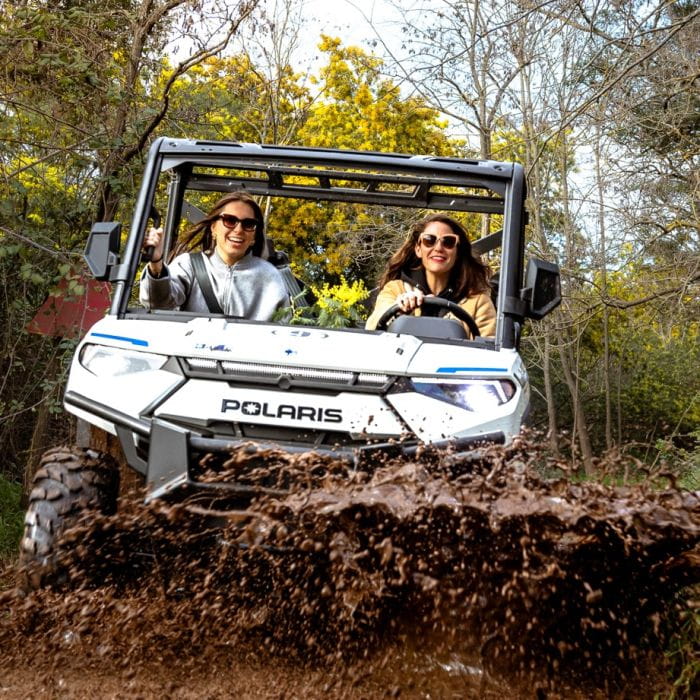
251, 288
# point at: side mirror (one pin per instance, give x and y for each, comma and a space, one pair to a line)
102, 249
542, 292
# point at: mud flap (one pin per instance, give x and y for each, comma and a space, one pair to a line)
168, 459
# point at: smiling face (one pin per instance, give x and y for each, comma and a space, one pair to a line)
233, 243
437, 260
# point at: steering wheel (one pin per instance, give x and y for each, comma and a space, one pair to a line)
395, 310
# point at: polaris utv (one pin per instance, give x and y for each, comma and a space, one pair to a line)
174, 387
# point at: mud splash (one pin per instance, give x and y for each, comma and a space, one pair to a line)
426, 579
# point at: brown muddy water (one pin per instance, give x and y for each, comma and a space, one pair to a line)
429, 579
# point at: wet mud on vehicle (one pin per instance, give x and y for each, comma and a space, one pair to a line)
174, 386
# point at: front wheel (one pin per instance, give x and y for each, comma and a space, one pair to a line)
69, 482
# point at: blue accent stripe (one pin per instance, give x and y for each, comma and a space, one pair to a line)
133, 341
453, 370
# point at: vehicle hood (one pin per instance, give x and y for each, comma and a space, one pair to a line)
299, 346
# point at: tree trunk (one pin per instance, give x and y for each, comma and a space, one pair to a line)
552, 430
581, 428
41, 434
604, 292
37, 446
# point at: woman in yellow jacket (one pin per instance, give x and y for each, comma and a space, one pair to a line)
436, 259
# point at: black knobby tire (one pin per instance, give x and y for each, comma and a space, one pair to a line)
69, 482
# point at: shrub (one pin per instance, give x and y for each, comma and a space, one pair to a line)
11, 518
335, 306
682, 459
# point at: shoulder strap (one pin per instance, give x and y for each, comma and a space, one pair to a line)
200, 272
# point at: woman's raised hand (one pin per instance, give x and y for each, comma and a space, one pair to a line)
154, 237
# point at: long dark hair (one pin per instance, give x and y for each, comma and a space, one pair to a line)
200, 234
468, 276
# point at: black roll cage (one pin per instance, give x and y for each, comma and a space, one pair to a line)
343, 176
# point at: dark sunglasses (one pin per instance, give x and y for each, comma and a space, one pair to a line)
231, 221
430, 241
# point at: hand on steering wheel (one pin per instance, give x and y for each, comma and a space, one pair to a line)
455, 309
410, 300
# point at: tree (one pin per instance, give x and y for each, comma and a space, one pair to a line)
81, 78
560, 81
358, 108
83, 88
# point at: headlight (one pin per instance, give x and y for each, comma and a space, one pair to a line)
104, 361
476, 395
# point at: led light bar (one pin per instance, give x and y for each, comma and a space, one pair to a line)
341, 377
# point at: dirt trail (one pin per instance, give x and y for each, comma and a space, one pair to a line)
427, 579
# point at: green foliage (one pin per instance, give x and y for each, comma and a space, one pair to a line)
658, 385
81, 83
32, 366
683, 657
681, 456
653, 349
336, 306
229, 98
11, 518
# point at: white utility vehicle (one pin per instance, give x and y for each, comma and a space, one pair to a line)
174, 386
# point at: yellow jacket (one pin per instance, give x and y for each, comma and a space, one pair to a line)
479, 307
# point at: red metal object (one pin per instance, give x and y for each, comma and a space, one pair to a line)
69, 315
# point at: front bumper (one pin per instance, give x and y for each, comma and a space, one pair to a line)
169, 463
